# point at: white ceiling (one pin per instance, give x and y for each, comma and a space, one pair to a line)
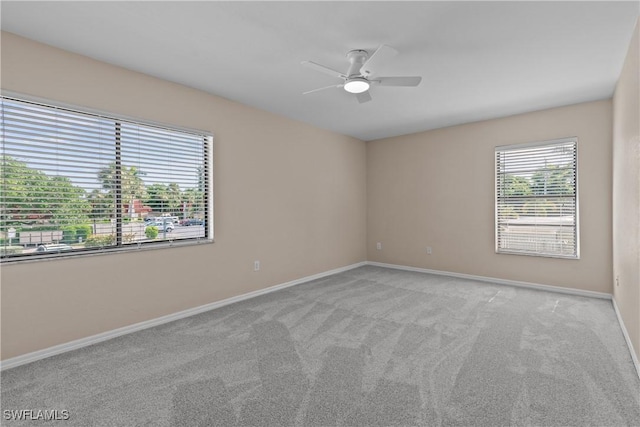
479, 60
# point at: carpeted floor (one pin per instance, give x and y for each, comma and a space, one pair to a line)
370, 346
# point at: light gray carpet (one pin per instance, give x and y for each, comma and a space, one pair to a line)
371, 346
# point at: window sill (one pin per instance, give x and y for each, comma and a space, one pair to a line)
106, 251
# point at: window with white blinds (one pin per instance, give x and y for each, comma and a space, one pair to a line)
75, 182
537, 199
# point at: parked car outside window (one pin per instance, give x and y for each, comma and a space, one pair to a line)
166, 225
53, 248
193, 221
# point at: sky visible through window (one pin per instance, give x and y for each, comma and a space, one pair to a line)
78, 143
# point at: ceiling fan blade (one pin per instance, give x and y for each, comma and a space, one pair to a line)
321, 88
363, 97
398, 81
380, 56
323, 69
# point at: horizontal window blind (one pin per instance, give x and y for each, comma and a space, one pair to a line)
76, 182
536, 199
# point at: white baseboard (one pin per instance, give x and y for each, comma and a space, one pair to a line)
634, 356
104, 336
549, 288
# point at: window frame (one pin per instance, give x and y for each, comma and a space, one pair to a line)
576, 223
208, 204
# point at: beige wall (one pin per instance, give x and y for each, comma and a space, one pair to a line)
287, 194
626, 193
436, 189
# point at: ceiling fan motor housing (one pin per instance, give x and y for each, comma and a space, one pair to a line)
356, 82
356, 59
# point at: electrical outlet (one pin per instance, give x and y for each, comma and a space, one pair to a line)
379, 246
429, 251
256, 265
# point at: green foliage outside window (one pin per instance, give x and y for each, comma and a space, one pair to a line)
151, 232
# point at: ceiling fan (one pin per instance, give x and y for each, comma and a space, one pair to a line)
357, 79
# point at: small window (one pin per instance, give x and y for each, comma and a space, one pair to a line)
75, 182
537, 199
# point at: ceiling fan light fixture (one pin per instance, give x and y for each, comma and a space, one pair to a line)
357, 85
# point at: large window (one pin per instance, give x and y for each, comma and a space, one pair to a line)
536, 199
77, 182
